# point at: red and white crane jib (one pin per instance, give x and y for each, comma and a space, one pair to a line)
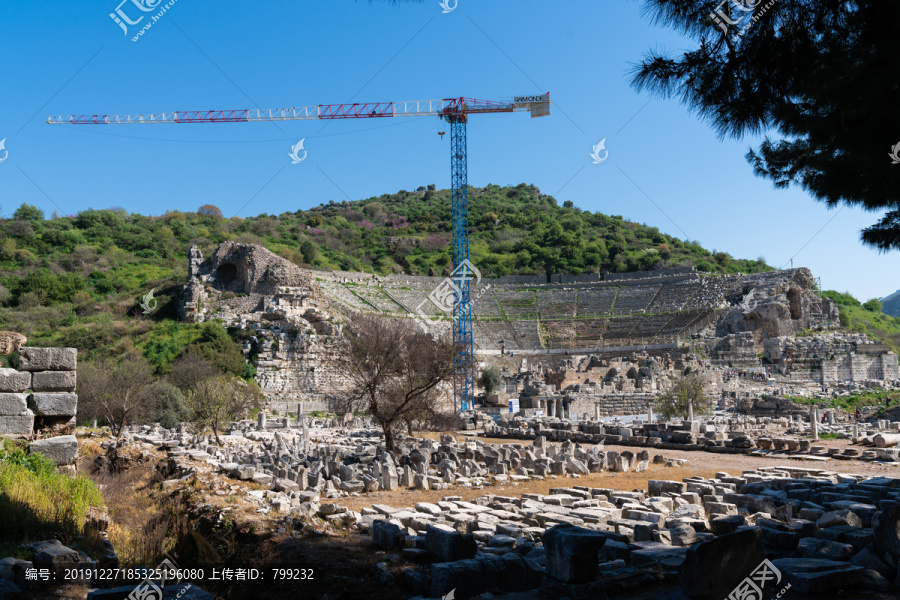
538, 106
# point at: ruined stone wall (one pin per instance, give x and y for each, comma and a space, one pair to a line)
298, 368
610, 405
38, 402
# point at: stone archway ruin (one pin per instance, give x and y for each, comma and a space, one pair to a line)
795, 306
226, 274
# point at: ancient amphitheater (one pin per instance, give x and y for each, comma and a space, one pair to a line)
296, 317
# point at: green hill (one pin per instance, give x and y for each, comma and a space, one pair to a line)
75, 280
867, 317
891, 304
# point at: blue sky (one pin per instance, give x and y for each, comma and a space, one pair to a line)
665, 167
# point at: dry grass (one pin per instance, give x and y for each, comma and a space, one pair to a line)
143, 525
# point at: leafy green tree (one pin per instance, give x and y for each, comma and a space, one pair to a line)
683, 395
873, 305
309, 252
217, 347
490, 380
816, 72
27, 212
221, 399
210, 211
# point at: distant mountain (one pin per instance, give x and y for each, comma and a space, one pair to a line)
892, 304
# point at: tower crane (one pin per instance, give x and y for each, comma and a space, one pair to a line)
455, 111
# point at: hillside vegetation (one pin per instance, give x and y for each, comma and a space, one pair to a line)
77, 280
867, 317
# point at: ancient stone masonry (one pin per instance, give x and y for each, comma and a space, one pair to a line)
831, 358
293, 319
775, 304
38, 402
293, 339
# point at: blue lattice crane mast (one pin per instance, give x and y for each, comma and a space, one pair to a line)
455, 111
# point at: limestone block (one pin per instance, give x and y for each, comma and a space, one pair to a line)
48, 359
839, 518
727, 524
17, 426
387, 535
14, 381
13, 404
62, 450
54, 556
446, 544
285, 485
53, 381
572, 553
817, 576
53, 404
886, 527
712, 569
11, 341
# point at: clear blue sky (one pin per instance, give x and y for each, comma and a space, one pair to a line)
665, 167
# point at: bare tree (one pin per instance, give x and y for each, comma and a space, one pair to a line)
216, 400
684, 396
396, 373
120, 391
190, 370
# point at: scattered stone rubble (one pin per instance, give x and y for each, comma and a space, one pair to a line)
820, 529
781, 437
322, 459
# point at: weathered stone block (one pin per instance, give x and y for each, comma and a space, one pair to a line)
817, 576
10, 591
387, 535
446, 544
62, 450
572, 553
18, 426
53, 381
839, 518
53, 404
712, 569
285, 485
54, 556
886, 529
14, 381
48, 359
13, 404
